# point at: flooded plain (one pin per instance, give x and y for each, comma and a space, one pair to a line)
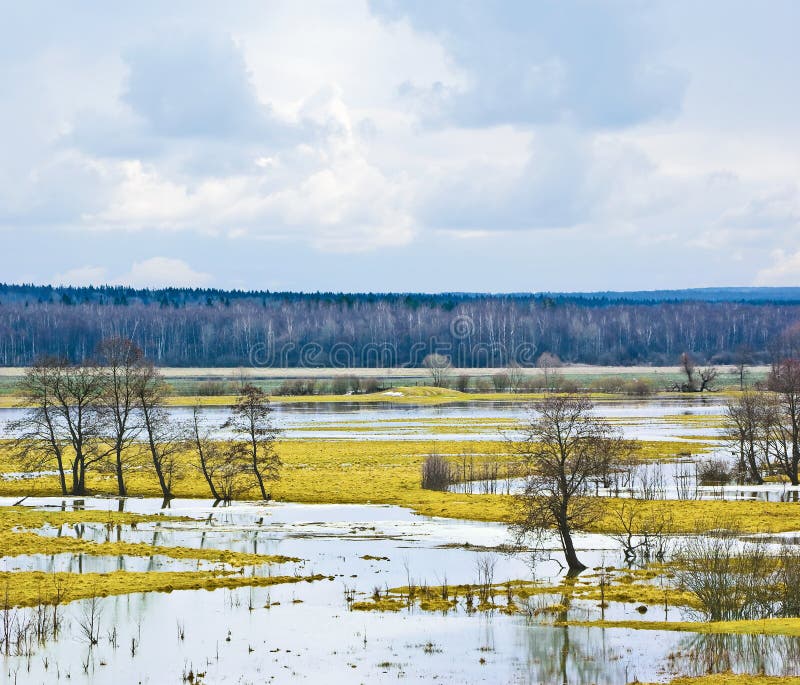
310, 632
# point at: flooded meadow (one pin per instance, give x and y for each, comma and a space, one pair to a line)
364, 593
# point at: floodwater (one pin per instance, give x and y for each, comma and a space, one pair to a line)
655, 419
306, 632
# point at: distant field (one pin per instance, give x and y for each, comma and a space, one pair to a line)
189, 381
371, 372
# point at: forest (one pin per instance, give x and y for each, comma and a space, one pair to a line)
208, 327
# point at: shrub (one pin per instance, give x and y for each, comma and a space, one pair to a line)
297, 386
607, 384
730, 584
500, 381
208, 388
714, 472
483, 385
567, 385
340, 385
437, 473
638, 387
462, 383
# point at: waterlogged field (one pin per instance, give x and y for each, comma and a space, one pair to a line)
356, 574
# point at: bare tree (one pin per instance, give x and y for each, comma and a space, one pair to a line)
438, 366
224, 465
687, 364
39, 435
566, 448
250, 420
744, 357
61, 426
548, 363
163, 441
643, 531
516, 376
206, 450
747, 420
122, 365
707, 377
784, 381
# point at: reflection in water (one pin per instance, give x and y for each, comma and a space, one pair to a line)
770, 654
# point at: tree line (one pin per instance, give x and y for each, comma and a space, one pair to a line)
109, 414
187, 327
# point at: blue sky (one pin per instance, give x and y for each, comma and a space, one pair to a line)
387, 145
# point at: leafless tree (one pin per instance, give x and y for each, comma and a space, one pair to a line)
687, 365
743, 357
251, 422
122, 365
516, 376
225, 465
205, 449
65, 402
708, 376
643, 531
163, 441
548, 363
566, 449
784, 381
39, 437
439, 367
747, 421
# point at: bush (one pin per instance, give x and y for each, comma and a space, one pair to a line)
714, 472
638, 387
483, 385
567, 385
462, 383
789, 582
608, 384
532, 383
500, 381
297, 386
209, 388
370, 385
340, 385
729, 584
436, 473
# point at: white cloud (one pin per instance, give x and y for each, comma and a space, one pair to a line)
83, 275
156, 272
282, 127
784, 270
161, 272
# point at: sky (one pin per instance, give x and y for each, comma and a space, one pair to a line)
400, 146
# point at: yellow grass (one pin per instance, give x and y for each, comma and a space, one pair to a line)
388, 472
738, 679
31, 588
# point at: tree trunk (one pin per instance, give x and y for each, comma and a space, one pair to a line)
78, 477
120, 478
755, 474
62, 477
258, 476
161, 480
206, 474
573, 562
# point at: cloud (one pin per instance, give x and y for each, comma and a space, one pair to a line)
160, 272
784, 270
524, 63
377, 130
83, 275
155, 272
196, 86
329, 195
